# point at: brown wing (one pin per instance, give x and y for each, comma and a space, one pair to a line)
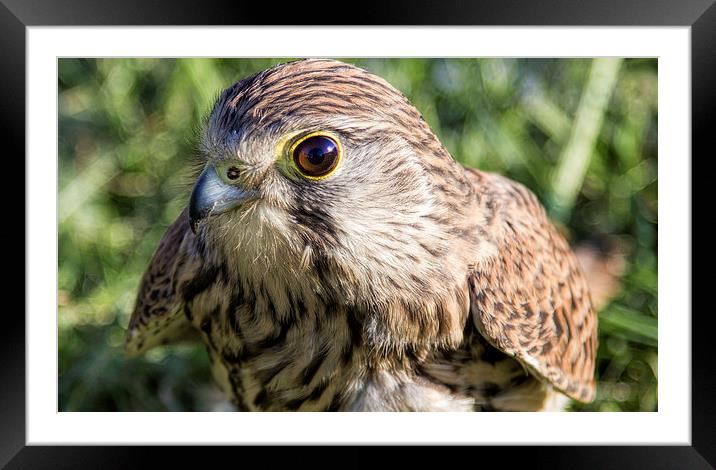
158, 316
529, 298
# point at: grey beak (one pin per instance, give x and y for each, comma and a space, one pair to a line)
211, 195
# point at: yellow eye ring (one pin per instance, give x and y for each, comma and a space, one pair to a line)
317, 155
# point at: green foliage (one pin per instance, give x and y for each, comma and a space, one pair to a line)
127, 135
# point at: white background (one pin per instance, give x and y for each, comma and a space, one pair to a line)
671, 424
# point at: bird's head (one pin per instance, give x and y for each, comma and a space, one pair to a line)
318, 172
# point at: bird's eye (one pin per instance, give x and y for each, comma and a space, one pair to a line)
316, 156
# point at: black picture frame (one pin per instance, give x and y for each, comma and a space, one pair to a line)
16, 15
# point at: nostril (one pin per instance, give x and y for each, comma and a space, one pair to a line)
232, 173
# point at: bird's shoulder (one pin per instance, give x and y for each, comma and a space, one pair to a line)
529, 296
158, 316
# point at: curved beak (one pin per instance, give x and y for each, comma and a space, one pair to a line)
211, 196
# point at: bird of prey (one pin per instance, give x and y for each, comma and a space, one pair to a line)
334, 256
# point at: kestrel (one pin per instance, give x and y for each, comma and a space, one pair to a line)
334, 256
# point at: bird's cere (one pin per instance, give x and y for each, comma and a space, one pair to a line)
212, 195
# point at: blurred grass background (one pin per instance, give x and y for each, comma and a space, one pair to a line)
580, 133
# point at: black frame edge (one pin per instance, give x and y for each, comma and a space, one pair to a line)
12, 122
12, 126
403, 12
581, 457
703, 107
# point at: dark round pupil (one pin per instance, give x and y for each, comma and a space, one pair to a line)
316, 156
